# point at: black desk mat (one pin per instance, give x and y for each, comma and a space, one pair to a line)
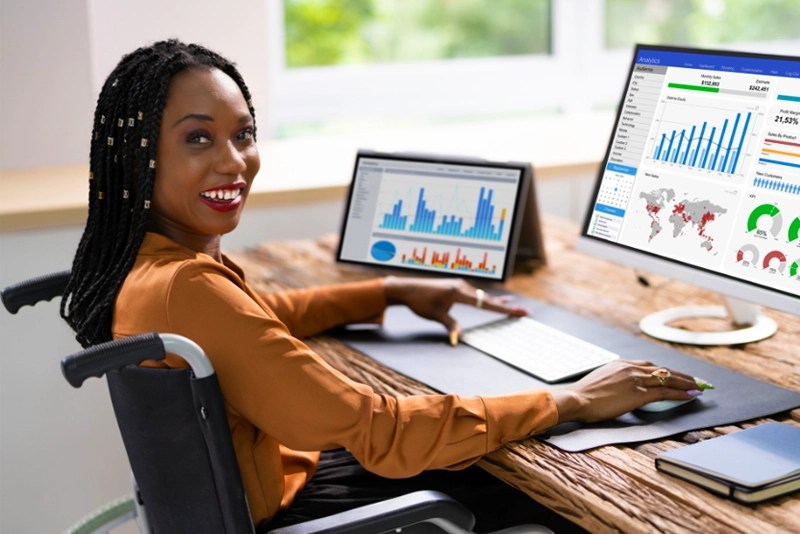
420, 349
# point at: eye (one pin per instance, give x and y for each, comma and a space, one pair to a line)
198, 137
247, 134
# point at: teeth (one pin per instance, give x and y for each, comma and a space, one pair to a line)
222, 194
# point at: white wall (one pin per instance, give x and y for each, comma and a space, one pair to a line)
45, 93
55, 55
234, 29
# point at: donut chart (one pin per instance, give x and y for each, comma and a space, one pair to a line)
743, 252
772, 255
794, 229
766, 210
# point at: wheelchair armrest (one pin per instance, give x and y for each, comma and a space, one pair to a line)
99, 359
417, 507
29, 292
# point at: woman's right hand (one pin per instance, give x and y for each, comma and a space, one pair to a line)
619, 387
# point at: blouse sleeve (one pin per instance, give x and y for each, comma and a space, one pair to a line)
276, 382
306, 312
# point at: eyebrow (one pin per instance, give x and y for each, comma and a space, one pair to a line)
208, 118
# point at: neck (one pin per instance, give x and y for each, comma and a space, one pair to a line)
206, 244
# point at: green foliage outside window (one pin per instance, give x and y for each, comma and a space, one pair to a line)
699, 22
336, 32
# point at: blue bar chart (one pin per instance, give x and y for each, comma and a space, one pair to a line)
486, 223
706, 144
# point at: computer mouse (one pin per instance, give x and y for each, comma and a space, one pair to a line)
662, 406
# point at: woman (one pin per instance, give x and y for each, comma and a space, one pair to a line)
173, 156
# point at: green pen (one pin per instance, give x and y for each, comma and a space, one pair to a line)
702, 384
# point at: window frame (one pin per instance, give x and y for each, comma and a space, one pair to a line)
580, 75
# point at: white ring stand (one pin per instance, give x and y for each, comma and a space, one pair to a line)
760, 326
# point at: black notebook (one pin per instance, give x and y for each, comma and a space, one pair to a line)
748, 466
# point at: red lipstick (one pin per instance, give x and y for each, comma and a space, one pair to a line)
223, 198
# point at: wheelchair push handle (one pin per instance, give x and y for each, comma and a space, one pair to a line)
99, 359
29, 292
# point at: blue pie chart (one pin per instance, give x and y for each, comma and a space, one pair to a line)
383, 250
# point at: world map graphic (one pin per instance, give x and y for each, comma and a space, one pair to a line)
687, 217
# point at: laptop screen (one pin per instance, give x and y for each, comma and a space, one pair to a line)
434, 214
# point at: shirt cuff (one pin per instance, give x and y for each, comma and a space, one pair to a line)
517, 416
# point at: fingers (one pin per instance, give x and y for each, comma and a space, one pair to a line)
653, 376
482, 299
663, 383
453, 329
665, 377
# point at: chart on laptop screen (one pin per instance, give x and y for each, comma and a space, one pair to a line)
704, 166
435, 216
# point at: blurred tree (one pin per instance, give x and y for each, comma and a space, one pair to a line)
324, 32
330, 32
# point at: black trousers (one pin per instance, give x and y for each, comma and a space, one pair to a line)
341, 483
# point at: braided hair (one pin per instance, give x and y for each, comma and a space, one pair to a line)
122, 169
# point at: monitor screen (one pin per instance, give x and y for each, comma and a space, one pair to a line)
701, 179
434, 214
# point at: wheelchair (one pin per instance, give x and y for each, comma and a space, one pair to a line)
175, 431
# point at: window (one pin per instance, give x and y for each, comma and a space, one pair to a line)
699, 22
333, 32
372, 63
342, 65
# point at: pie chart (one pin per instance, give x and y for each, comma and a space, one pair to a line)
383, 250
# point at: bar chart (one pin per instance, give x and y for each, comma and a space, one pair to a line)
485, 222
717, 142
458, 262
781, 152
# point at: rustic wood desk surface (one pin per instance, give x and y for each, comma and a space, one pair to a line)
613, 488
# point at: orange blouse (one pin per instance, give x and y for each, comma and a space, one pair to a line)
284, 402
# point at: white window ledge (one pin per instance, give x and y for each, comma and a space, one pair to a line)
310, 169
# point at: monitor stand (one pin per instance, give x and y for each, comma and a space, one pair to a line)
749, 324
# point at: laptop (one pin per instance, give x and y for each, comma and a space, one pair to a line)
434, 214
466, 217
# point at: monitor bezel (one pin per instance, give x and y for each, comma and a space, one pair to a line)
521, 203
721, 283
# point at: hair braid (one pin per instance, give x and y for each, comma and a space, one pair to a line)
122, 161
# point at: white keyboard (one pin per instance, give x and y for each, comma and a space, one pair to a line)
537, 349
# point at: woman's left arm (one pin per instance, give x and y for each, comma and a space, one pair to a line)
310, 311
307, 312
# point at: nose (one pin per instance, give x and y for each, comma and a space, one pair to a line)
230, 159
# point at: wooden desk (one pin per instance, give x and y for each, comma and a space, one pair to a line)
613, 488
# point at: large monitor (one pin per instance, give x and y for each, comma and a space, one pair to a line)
701, 182
436, 214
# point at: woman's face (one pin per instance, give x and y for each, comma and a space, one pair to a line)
206, 159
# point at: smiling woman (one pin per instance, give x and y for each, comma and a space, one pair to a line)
122, 172
208, 160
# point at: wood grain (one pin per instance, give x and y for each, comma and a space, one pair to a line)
609, 489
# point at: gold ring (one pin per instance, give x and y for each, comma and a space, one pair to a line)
662, 375
480, 294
